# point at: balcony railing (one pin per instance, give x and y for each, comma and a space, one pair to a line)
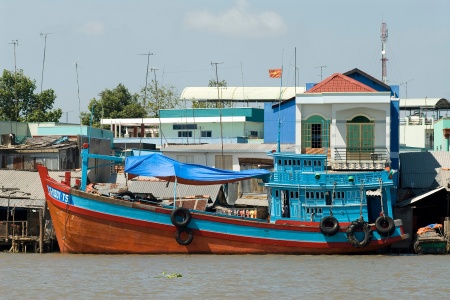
375, 155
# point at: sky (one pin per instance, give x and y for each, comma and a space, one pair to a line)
95, 45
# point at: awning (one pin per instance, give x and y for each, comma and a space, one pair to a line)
420, 197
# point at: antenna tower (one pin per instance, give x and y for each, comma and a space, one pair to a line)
384, 37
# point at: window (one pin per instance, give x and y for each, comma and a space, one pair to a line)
206, 133
316, 135
184, 133
315, 132
184, 126
254, 133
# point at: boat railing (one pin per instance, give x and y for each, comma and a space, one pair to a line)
356, 178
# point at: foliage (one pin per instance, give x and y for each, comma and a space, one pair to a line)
159, 97
19, 103
167, 275
213, 83
213, 104
114, 104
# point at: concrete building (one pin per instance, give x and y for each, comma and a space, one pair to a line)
418, 120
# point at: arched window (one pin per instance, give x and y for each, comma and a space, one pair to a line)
315, 132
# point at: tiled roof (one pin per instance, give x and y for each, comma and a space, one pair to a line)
340, 83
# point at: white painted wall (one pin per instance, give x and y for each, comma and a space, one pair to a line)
342, 107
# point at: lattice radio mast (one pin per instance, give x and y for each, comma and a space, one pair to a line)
384, 37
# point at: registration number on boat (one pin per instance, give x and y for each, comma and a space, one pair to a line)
58, 195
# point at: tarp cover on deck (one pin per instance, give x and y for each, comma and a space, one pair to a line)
165, 168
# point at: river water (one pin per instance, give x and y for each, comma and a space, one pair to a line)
69, 276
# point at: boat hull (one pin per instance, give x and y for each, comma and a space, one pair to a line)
87, 223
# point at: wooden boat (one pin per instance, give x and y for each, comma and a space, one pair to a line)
311, 211
430, 240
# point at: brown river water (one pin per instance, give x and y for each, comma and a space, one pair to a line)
68, 276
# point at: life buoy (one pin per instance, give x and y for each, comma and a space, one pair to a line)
365, 228
329, 225
182, 212
384, 225
181, 231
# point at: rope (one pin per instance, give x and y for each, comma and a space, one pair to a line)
381, 196
361, 196
332, 199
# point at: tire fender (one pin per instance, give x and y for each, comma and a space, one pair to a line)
329, 225
182, 212
384, 225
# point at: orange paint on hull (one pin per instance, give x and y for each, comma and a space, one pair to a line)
78, 233
83, 231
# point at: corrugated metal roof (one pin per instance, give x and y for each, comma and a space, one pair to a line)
430, 103
425, 170
240, 93
26, 182
420, 197
160, 189
22, 203
420, 169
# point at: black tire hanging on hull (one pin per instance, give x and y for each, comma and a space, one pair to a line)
181, 231
329, 225
365, 228
384, 225
182, 212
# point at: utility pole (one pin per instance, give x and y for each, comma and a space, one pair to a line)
158, 102
15, 43
146, 77
321, 67
78, 93
44, 35
220, 110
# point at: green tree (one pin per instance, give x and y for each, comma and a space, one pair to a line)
159, 97
19, 103
213, 104
118, 103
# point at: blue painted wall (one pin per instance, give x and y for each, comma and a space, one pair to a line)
395, 134
286, 118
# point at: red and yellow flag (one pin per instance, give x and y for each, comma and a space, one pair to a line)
275, 73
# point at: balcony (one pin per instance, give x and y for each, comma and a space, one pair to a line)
360, 159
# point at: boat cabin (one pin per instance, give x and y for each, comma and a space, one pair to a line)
303, 189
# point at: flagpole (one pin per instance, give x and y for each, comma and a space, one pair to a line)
278, 73
279, 107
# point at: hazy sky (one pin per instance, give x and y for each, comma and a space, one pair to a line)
249, 37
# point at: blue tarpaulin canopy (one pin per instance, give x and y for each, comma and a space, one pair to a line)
165, 168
